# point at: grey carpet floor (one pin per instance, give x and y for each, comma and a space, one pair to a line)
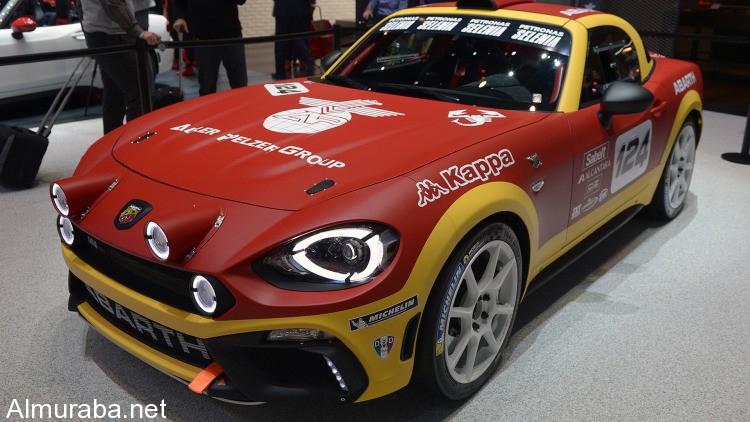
654, 325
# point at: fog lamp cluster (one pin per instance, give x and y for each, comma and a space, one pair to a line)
203, 295
65, 230
337, 374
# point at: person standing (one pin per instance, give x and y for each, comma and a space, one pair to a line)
292, 16
141, 8
379, 9
185, 54
108, 23
214, 20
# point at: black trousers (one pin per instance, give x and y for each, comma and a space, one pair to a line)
119, 73
209, 59
294, 49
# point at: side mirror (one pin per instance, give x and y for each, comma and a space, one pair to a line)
21, 25
623, 98
329, 59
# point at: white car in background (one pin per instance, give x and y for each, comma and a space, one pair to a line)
33, 26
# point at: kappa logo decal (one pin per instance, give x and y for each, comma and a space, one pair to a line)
462, 118
321, 115
383, 314
455, 177
132, 213
383, 345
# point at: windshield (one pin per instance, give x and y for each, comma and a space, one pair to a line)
489, 62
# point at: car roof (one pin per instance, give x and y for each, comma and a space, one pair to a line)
541, 12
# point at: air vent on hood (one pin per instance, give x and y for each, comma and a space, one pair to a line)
144, 137
320, 187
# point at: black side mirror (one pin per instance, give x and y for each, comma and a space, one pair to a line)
329, 59
623, 98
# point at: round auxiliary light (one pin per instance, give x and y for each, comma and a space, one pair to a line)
60, 200
203, 295
65, 230
157, 241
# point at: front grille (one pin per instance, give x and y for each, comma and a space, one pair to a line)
291, 366
160, 282
179, 345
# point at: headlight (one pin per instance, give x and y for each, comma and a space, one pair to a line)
157, 241
60, 200
331, 259
65, 230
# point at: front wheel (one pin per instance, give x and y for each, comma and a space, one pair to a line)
670, 195
470, 314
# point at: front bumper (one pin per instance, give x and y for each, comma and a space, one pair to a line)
182, 344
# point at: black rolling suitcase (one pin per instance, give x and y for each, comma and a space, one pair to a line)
22, 150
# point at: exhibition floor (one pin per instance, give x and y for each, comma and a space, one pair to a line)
654, 325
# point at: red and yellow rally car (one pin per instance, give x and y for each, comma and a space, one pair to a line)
340, 236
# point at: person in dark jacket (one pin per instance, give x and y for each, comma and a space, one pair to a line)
108, 23
214, 20
292, 16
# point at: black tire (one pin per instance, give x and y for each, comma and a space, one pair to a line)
670, 195
458, 320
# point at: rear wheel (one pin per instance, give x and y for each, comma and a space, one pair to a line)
470, 314
670, 195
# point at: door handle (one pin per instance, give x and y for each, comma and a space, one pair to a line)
658, 109
78, 36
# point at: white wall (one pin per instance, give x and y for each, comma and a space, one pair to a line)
257, 19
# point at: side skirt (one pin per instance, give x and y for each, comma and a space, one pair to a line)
582, 248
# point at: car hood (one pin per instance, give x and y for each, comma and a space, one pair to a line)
288, 146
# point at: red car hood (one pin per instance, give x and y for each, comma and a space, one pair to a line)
250, 146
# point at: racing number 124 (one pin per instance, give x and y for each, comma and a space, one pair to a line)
632, 154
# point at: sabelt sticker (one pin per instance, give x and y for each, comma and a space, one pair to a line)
383, 314
321, 115
383, 345
288, 88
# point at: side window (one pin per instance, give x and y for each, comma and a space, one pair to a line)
611, 56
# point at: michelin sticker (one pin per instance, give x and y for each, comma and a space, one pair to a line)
383, 314
287, 88
383, 345
456, 177
321, 115
445, 307
462, 118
